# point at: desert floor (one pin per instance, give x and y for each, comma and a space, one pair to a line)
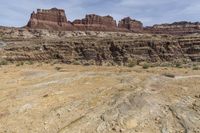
44, 98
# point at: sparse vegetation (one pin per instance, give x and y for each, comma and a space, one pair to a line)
196, 68
3, 62
132, 63
86, 64
94, 86
166, 64
77, 63
178, 65
29, 62
20, 64
145, 66
58, 68
46, 62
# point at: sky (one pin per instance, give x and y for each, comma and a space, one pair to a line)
17, 12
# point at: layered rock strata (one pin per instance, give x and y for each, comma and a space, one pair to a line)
96, 23
98, 47
130, 25
177, 28
53, 19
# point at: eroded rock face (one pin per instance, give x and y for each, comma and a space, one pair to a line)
113, 48
177, 28
130, 24
54, 19
96, 23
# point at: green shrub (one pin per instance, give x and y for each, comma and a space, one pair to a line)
58, 68
178, 65
145, 66
166, 64
30, 63
20, 64
77, 63
132, 63
196, 68
46, 62
3, 62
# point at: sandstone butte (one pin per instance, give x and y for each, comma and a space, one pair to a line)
55, 19
131, 25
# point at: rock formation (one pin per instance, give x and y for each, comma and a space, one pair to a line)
96, 23
130, 25
54, 19
177, 28
114, 48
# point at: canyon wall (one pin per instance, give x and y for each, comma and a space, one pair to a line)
50, 36
99, 48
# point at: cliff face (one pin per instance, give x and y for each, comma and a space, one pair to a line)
96, 23
54, 19
177, 28
130, 25
85, 43
97, 47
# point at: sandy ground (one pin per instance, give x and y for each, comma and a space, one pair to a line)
44, 98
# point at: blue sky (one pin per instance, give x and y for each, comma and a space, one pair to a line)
17, 12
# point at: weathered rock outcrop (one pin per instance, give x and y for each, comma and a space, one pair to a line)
130, 25
96, 23
53, 19
177, 28
98, 47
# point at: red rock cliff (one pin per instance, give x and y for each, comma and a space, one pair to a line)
54, 19
130, 24
96, 23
